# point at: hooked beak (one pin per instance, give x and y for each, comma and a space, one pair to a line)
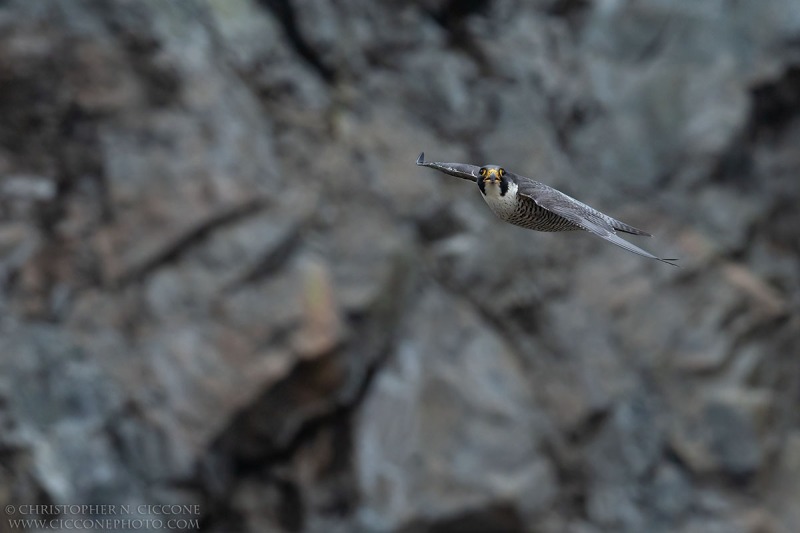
492, 175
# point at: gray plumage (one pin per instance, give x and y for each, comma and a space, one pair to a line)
533, 205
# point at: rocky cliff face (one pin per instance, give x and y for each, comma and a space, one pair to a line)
225, 283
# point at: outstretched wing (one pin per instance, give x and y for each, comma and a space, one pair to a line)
459, 170
583, 216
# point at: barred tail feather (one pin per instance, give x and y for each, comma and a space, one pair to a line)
626, 228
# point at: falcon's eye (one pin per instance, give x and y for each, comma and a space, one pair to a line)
500, 172
483, 172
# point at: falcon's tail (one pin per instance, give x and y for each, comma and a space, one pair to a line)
622, 243
626, 228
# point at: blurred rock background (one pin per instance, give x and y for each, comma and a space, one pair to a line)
225, 282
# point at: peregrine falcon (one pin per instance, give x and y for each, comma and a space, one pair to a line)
527, 203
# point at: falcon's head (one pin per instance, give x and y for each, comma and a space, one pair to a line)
492, 174
493, 180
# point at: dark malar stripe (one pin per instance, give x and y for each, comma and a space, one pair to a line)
503, 187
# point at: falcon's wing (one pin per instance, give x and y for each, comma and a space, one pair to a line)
583, 216
459, 170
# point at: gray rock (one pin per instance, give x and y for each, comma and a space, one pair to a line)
786, 487
224, 282
720, 438
443, 443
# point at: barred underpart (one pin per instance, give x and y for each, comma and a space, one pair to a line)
530, 215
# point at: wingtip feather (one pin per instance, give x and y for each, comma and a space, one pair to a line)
421, 158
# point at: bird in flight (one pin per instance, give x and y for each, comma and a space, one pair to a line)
527, 203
